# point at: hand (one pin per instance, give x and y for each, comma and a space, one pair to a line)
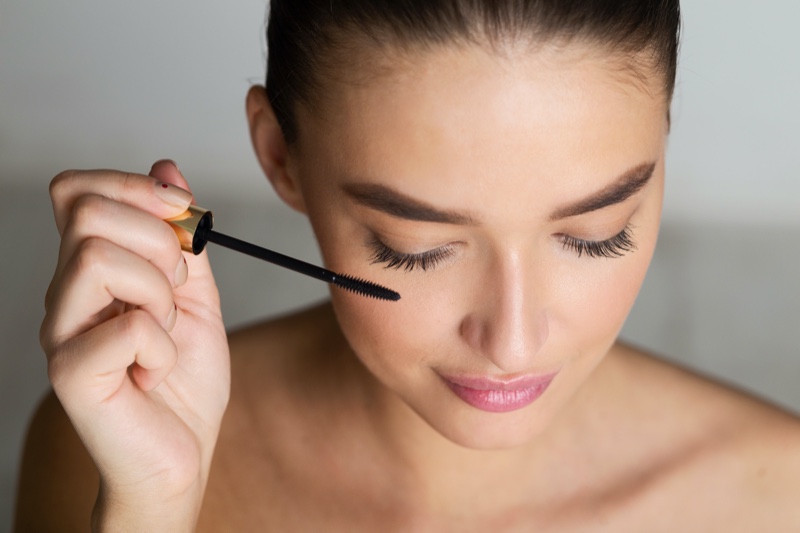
137, 352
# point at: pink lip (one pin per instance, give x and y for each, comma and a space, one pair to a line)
498, 395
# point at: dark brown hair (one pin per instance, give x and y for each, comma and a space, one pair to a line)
307, 39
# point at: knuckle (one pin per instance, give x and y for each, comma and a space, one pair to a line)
130, 184
85, 213
58, 366
60, 182
91, 256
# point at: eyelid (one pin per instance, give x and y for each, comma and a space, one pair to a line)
427, 260
611, 248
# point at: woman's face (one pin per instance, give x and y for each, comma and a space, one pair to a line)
514, 204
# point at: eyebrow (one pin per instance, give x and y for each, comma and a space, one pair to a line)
394, 203
614, 193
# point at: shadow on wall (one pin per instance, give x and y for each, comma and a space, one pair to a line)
723, 300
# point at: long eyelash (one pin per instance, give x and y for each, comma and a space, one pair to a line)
616, 246
408, 262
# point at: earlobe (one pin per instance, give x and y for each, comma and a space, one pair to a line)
271, 149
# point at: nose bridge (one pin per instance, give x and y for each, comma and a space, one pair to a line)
509, 325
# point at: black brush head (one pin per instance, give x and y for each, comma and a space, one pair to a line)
365, 288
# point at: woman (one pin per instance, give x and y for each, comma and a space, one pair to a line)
501, 166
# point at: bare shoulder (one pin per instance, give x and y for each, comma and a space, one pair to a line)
270, 362
58, 480
281, 361
284, 348
734, 447
295, 331
279, 373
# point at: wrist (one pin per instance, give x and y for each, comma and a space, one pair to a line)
174, 514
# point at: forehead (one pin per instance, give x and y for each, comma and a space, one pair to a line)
457, 116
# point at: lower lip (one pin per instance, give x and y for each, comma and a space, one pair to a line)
497, 400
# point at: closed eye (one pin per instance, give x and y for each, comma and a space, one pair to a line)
617, 246
408, 262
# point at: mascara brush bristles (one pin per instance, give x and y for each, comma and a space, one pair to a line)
365, 288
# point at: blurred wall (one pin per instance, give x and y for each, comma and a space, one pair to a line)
89, 83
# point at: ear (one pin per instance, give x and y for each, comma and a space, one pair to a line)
271, 149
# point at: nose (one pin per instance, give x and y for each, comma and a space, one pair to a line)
508, 324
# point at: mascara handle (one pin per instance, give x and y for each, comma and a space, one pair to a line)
192, 227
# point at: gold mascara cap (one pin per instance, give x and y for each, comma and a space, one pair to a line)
191, 227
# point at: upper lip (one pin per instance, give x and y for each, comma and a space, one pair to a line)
517, 383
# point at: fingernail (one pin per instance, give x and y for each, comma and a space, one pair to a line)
172, 318
160, 161
173, 195
182, 272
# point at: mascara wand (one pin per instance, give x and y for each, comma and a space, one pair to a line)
193, 228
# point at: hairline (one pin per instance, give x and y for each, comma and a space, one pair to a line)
368, 58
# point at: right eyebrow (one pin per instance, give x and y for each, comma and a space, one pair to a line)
397, 204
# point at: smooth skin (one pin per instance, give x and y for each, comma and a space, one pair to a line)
337, 417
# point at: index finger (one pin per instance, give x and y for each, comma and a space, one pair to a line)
149, 194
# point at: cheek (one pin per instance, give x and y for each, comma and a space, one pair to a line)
606, 301
599, 298
395, 340
391, 338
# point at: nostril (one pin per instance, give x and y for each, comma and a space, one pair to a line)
470, 332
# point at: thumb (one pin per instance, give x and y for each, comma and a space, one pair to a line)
167, 171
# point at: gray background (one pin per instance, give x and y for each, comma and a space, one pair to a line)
87, 84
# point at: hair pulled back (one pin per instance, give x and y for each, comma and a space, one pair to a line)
307, 39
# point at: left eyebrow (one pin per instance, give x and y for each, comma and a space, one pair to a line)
617, 192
